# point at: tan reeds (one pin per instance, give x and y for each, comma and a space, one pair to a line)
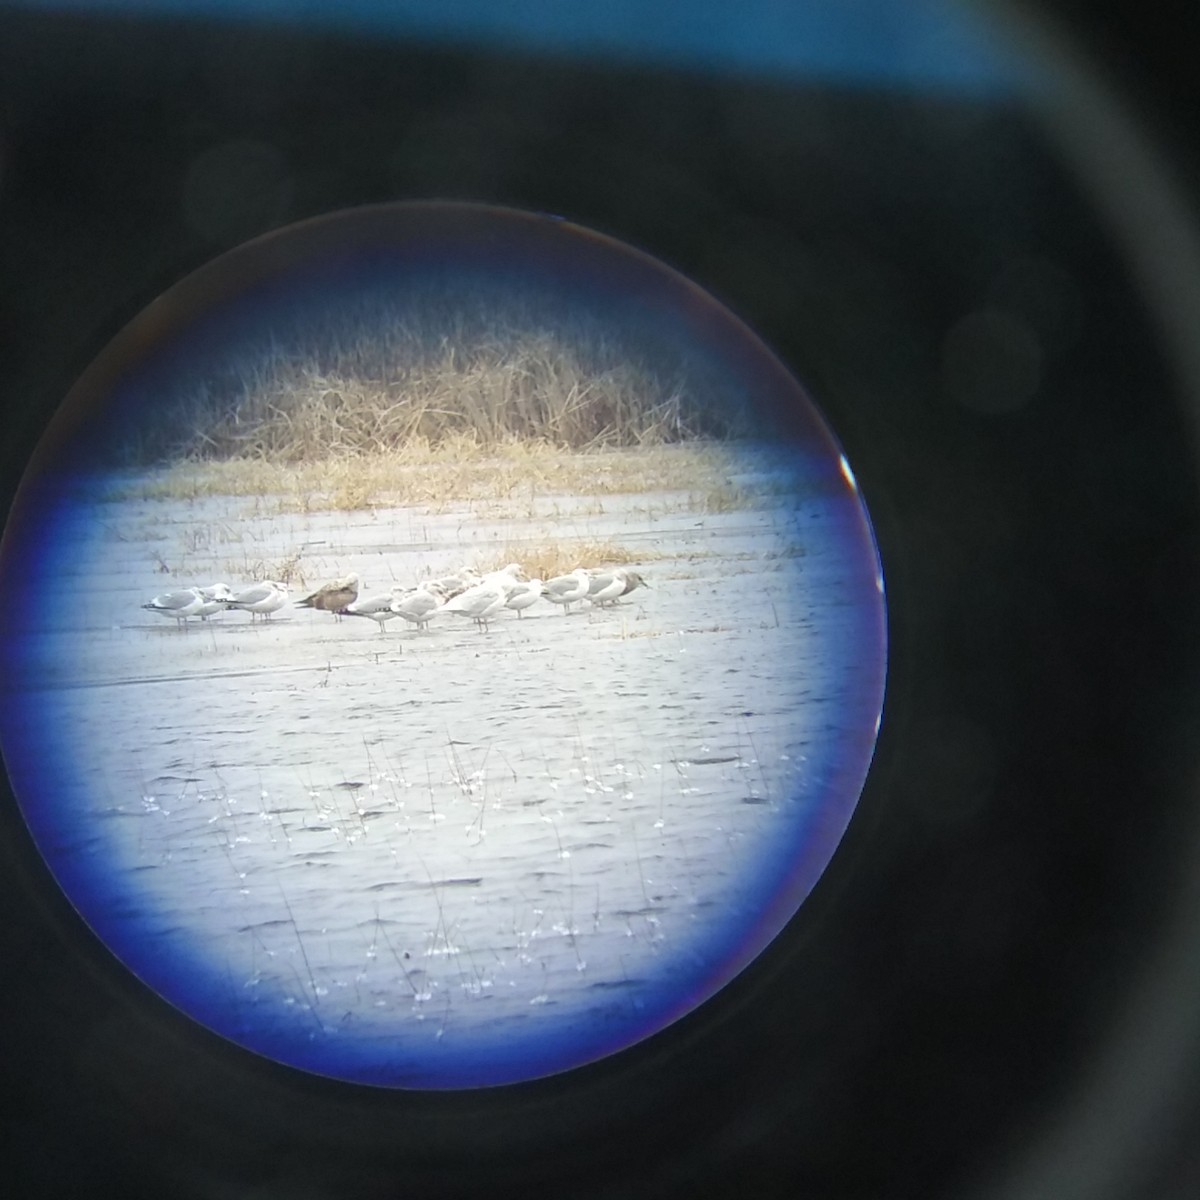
548, 559
437, 374
518, 474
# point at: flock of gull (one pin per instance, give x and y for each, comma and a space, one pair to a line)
464, 592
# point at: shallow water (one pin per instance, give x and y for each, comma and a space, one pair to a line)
447, 857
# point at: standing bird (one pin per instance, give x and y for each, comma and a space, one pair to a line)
181, 604
378, 608
480, 603
608, 586
260, 599
334, 596
524, 595
605, 587
421, 604
216, 599
566, 589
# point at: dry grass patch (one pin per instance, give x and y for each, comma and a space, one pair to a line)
721, 499
247, 570
545, 561
434, 475
371, 375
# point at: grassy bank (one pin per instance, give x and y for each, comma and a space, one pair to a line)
434, 475
441, 369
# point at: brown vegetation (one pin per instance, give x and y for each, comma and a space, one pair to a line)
518, 474
435, 371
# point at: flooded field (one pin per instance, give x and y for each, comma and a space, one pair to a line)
449, 857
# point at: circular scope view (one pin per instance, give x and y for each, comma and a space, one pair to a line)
457, 646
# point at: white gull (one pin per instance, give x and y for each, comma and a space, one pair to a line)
187, 602
420, 604
566, 589
216, 599
605, 587
379, 608
524, 595
608, 586
260, 599
480, 602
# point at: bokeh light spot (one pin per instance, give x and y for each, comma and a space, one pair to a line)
991, 362
235, 190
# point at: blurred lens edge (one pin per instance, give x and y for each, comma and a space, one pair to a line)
1127, 1116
